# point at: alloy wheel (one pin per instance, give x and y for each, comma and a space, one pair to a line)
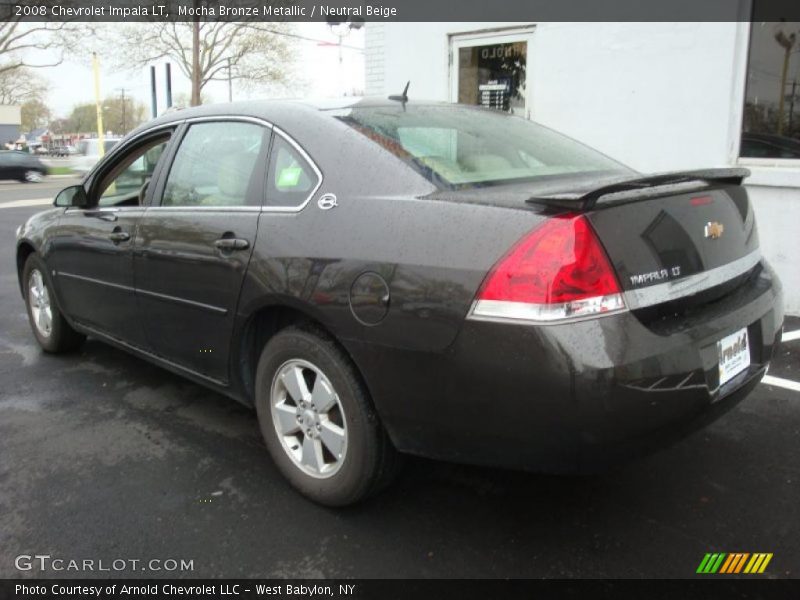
33, 176
39, 301
309, 419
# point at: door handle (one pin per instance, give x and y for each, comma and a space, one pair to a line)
119, 236
232, 244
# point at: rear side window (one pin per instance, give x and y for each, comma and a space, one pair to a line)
291, 179
214, 165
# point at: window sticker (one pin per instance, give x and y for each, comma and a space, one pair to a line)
289, 177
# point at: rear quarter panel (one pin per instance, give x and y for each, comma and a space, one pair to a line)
432, 253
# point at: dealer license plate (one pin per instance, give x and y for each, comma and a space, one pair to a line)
734, 355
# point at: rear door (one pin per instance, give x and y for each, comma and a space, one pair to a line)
194, 243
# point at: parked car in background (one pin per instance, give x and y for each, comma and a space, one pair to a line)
63, 150
21, 166
88, 153
378, 276
41, 150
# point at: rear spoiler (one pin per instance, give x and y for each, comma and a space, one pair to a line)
650, 183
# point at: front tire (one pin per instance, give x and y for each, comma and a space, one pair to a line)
317, 420
49, 326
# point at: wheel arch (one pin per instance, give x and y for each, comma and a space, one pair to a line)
24, 249
264, 322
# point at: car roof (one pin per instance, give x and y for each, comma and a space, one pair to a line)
285, 113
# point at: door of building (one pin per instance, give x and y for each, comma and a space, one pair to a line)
491, 69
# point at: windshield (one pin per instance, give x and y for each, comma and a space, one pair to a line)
456, 147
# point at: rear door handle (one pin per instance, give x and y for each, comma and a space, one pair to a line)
232, 244
119, 236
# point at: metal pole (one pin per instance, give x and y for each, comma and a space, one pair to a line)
98, 104
230, 82
169, 85
124, 120
153, 99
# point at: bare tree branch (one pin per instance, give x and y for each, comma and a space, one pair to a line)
255, 53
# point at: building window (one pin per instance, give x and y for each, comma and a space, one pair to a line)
493, 76
771, 127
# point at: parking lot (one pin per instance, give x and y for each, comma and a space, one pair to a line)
104, 456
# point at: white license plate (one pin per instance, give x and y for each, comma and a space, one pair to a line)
734, 355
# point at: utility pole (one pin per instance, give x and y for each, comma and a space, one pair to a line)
98, 105
124, 115
195, 60
786, 42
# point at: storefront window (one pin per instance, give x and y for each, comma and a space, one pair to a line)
771, 127
493, 76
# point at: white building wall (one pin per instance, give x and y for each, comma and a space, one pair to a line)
657, 96
374, 59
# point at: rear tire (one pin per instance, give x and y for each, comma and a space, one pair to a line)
49, 326
317, 419
32, 176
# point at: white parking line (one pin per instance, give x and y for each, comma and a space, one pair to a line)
32, 202
790, 336
781, 382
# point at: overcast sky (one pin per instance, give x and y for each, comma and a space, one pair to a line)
316, 73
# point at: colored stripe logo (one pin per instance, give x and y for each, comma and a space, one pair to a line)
734, 562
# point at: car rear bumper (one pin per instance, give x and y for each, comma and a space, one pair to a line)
579, 395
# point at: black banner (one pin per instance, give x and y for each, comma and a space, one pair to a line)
399, 10
416, 589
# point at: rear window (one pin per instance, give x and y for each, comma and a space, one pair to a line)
457, 147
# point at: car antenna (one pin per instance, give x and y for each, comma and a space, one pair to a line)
402, 97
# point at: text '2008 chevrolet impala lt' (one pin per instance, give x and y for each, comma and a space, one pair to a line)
384, 276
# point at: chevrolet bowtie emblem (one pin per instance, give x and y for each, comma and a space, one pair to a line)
714, 230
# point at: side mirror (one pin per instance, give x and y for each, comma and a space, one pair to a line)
74, 195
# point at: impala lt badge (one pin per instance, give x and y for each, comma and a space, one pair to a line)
714, 230
327, 201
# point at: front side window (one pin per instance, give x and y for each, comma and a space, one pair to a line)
455, 146
771, 126
126, 183
214, 165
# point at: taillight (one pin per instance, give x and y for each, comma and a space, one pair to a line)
557, 271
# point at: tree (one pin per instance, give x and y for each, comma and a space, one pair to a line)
121, 116
22, 43
118, 117
35, 114
251, 52
20, 85
82, 119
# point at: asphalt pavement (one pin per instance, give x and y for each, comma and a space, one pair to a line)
106, 457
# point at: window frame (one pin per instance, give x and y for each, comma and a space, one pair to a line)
304, 155
752, 161
172, 152
118, 154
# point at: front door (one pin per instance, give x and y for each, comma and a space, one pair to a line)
491, 69
93, 261
194, 244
